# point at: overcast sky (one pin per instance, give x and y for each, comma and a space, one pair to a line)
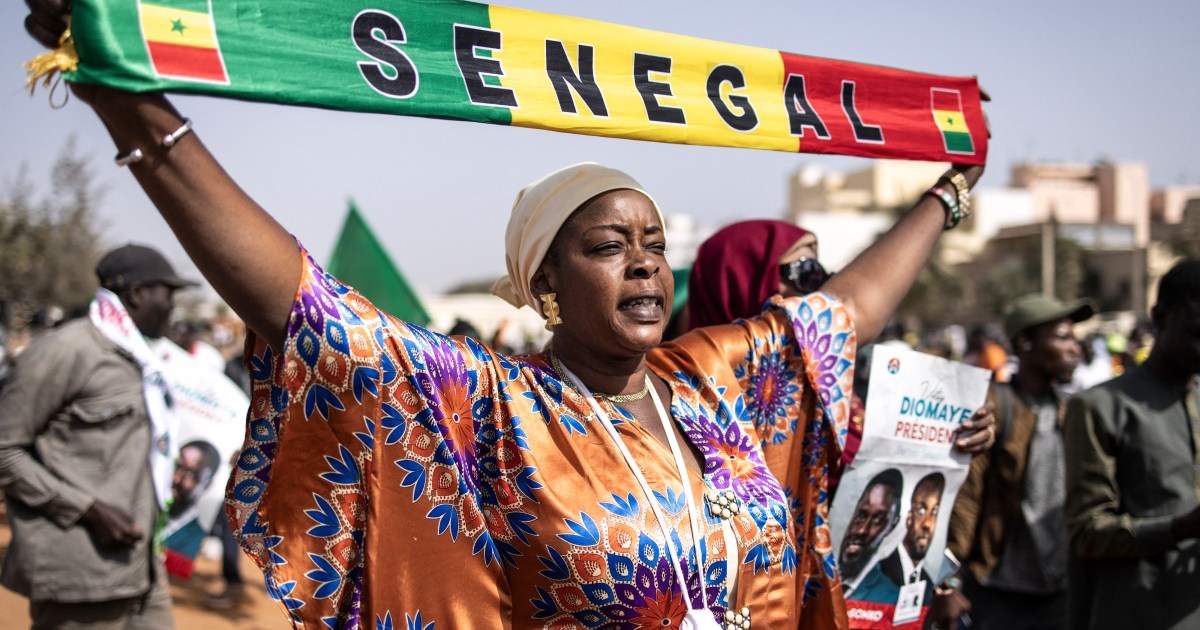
1071, 81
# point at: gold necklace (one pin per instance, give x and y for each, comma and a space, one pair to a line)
625, 398
619, 399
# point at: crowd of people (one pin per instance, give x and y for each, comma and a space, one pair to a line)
1009, 524
642, 468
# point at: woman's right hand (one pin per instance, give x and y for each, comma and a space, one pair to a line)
46, 21
248, 258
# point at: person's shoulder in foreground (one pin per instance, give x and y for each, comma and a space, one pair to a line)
1132, 483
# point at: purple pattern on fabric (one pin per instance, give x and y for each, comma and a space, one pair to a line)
450, 420
732, 461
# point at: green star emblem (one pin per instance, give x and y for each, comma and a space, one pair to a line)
949, 120
177, 26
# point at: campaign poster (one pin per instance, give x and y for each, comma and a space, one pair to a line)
892, 509
210, 415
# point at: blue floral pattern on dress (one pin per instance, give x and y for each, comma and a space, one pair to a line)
386, 465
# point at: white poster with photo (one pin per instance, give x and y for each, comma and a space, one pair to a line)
893, 504
210, 411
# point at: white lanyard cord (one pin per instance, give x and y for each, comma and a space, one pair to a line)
641, 479
698, 543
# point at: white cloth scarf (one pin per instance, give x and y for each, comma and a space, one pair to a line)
540, 210
113, 321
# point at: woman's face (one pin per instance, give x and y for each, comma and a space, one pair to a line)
802, 248
609, 268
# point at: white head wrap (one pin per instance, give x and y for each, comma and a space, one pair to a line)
538, 212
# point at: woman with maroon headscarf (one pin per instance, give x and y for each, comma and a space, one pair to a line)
737, 269
742, 266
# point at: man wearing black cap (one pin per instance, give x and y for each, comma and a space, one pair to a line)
1007, 524
82, 453
1133, 478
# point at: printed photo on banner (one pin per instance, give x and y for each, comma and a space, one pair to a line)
892, 510
210, 415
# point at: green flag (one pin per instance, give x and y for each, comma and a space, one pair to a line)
360, 261
681, 288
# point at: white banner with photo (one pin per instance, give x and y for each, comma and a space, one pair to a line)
892, 509
211, 414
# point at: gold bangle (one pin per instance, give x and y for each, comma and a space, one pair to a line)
963, 189
959, 180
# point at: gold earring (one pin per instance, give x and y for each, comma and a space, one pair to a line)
550, 310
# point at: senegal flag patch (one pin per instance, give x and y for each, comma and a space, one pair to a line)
948, 114
182, 41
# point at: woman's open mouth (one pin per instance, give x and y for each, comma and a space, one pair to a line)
644, 307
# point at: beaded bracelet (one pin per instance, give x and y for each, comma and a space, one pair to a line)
950, 202
168, 141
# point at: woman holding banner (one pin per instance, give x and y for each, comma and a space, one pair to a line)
394, 476
743, 265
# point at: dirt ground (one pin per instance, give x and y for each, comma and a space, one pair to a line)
255, 612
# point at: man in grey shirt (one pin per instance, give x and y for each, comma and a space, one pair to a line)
75, 462
1133, 479
1007, 524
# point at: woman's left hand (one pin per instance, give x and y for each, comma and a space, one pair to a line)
979, 433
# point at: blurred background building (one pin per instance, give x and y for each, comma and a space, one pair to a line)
1071, 230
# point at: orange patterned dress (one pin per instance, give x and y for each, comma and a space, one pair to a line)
395, 478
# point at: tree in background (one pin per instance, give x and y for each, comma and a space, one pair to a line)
49, 243
934, 298
1007, 281
1070, 271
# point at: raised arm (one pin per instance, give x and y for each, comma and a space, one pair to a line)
873, 285
248, 258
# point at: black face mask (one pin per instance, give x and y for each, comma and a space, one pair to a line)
804, 275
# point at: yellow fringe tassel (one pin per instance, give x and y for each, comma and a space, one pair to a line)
50, 64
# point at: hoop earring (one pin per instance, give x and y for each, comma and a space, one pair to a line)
550, 310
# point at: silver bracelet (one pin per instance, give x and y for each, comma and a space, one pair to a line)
129, 158
168, 141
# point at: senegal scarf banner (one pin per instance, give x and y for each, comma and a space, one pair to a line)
468, 61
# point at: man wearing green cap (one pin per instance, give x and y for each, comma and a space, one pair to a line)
1007, 524
1133, 478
